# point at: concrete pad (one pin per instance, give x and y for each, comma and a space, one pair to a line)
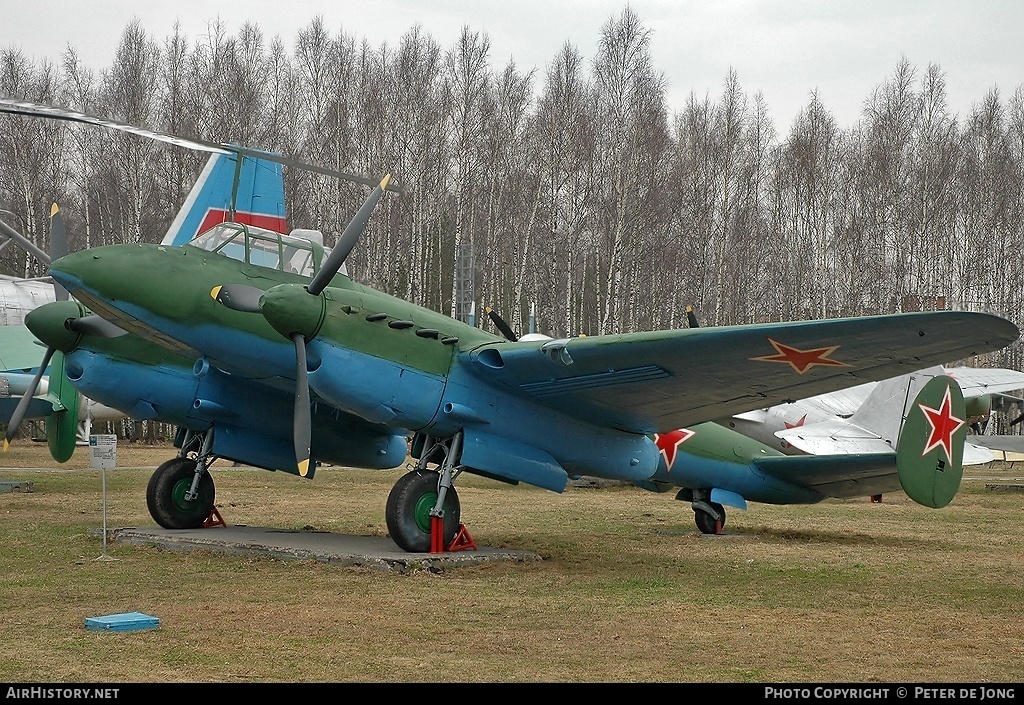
16, 486
375, 552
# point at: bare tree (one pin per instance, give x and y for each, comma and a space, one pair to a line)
467, 71
632, 145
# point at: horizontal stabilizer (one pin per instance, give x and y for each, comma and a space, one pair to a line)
839, 476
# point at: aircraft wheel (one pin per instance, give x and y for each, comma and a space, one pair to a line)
707, 523
165, 495
408, 511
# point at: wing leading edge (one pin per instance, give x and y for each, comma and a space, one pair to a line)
654, 382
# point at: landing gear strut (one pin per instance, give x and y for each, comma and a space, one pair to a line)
181, 493
424, 503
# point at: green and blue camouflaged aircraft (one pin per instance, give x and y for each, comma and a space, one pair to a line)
262, 352
285, 370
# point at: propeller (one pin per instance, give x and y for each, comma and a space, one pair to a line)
58, 247
302, 423
500, 324
238, 297
94, 325
691, 318
26, 399
246, 298
250, 299
347, 241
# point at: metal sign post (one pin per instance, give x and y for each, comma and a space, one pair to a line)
103, 455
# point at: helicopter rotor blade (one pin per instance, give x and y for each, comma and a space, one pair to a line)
24, 107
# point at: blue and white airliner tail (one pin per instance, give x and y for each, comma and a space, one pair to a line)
254, 197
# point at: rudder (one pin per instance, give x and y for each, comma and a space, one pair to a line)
930, 451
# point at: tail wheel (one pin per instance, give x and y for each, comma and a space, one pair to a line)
408, 511
707, 523
165, 495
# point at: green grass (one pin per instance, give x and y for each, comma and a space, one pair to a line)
627, 590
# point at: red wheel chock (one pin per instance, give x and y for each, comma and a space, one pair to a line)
215, 519
876, 499
460, 542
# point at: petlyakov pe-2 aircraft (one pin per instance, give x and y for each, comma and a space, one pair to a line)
287, 370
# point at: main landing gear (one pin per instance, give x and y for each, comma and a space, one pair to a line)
423, 509
709, 516
180, 494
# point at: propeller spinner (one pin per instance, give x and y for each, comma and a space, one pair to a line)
60, 326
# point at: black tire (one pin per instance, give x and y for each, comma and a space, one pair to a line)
165, 495
408, 511
707, 523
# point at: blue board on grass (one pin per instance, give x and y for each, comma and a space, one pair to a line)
126, 622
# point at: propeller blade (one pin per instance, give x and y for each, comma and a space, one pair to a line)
238, 297
58, 247
302, 423
26, 399
691, 318
347, 241
96, 326
500, 324
1017, 420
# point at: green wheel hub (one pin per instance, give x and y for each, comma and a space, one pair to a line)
424, 504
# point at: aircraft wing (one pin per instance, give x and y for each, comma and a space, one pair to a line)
658, 381
978, 381
1007, 444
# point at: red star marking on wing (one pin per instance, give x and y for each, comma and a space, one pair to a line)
943, 424
668, 444
801, 360
798, 423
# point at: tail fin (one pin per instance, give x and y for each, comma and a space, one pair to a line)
236, 188
930, 450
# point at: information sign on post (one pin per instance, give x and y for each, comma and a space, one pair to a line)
103, 451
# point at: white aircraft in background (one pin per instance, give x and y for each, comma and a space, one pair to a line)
19, 295
868, 418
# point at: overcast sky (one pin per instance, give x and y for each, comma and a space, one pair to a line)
782, 48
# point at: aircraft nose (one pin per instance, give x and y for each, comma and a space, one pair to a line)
78, 269
154, 277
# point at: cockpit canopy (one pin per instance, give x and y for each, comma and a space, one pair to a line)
302, 252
